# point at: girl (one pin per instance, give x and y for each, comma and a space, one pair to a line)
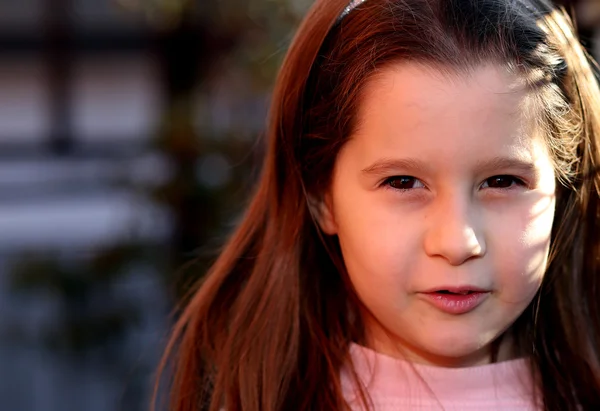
425, 233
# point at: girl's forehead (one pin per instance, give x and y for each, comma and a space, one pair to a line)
430, 86
409, 95
410, 108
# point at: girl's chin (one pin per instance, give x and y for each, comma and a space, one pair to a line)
453, 350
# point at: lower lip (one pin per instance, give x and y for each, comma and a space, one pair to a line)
455, 303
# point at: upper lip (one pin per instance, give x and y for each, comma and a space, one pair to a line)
456, 289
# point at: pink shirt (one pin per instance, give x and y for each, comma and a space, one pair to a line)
393, 385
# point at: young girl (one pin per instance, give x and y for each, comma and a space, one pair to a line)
426, 230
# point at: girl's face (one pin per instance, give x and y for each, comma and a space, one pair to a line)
443, 202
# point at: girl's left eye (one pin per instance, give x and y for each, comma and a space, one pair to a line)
502, 182
403, 182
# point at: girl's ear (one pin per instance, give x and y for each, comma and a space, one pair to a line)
322, 210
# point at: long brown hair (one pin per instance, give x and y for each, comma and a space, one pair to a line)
269, 327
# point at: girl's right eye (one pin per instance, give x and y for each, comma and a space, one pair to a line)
402, 183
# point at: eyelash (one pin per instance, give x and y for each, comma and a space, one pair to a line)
517, 182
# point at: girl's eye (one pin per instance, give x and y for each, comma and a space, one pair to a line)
503, 181
403, 182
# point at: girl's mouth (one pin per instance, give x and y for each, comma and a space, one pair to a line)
455, 301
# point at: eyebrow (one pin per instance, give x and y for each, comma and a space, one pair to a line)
388, 165
512, 163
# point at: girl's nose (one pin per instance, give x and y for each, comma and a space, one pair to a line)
454, 233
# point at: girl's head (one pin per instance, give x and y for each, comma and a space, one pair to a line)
414, 147
445, 185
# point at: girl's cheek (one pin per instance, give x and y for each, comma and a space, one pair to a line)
537, 223
520, 247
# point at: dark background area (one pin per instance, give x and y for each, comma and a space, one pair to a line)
129, 141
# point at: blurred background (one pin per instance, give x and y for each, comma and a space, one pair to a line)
129, 141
